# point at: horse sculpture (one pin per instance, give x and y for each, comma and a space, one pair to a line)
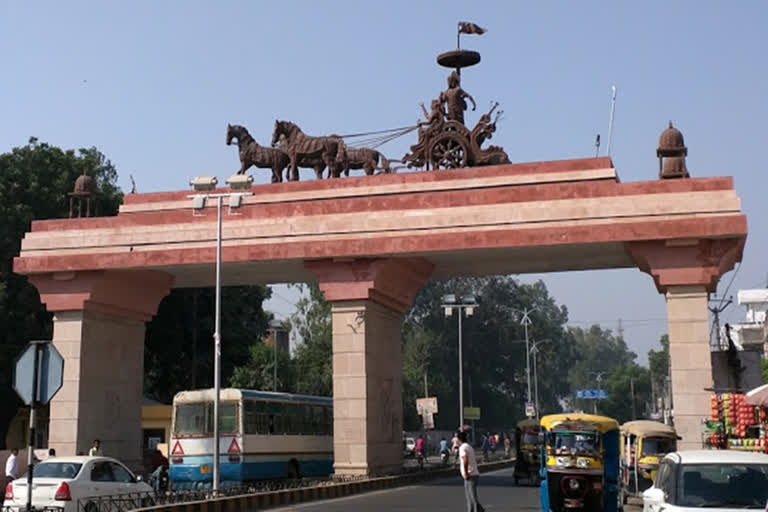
302, 148
363, 158
252, 154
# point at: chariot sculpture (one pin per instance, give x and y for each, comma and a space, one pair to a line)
444, 141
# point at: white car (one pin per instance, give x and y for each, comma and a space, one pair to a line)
711, 480
59, 482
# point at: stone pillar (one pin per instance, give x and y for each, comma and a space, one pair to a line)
686, 271
688, 329
369, 298
98, 327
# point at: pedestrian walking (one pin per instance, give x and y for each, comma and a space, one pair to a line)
485, 445
95, 450
470, 473
12, 466
455, 444
507, 446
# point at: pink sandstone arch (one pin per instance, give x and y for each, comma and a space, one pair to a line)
371, 243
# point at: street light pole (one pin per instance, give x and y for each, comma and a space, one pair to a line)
535, 351
467, 303
461, 378
208, 183
217, 350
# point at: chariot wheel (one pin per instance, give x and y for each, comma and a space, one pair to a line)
448, 151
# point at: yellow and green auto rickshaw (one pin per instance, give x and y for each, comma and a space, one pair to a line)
528, 451
643, 444
579, 463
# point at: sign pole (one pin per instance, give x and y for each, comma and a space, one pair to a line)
32, 418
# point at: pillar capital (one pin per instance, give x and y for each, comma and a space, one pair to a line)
391, 282
132, 294
688, 262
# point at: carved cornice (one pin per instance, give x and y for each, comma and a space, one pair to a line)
391, 282
132, 294
686, 261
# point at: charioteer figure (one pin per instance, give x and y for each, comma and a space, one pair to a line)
453, 99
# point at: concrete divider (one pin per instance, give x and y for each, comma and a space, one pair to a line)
263, 500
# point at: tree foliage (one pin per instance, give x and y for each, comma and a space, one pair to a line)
313, 363
34, 182
493, 350
258, 372
179, 343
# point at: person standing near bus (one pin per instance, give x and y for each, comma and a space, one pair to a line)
12, 466
470, 473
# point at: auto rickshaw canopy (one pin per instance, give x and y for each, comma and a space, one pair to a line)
528, 423
579, 421
647, 428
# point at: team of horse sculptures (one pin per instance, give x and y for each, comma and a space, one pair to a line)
444, 143
291, 148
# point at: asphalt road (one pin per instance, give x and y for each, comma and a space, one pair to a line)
497, 492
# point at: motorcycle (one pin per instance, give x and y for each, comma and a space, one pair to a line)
444, 456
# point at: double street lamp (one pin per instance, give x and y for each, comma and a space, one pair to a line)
534, 351
203, 185
465, 304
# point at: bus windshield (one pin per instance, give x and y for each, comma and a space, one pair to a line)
197, 419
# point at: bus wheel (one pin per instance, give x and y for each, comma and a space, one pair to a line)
293, 471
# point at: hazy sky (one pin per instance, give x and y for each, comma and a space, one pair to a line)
154, 84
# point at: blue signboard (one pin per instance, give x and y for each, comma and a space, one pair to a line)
591, 394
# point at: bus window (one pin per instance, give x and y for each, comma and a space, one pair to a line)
190, 419
318, 421
250, 417
227, 417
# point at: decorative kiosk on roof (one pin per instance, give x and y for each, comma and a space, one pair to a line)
672, 153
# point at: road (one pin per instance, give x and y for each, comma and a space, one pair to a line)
497, 492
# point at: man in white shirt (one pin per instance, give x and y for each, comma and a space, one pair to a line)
95, 450
11, 466
470, 473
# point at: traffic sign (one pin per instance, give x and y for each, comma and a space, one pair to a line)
471, 413
530, 410
426, 405
49, 372
592, 394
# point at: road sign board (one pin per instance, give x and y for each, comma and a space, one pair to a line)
426, 405
471, 413
530, 410
50, 372
592, 394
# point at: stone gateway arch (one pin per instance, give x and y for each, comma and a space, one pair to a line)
371, 243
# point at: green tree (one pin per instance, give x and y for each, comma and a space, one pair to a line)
764, 370
658, 363
34, 182
619, 385
493, 350
312, 323
258, 370
179, 340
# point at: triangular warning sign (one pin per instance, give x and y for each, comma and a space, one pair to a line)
177, 449
234, 447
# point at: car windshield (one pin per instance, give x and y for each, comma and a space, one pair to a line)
658, 446
723, 486
56, 470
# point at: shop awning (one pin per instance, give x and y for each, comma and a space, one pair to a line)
758, 396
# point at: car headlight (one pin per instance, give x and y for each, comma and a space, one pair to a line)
583, 463
562, 461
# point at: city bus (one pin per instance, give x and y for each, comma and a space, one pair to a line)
262, 436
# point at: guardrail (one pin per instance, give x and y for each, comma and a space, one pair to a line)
268, 494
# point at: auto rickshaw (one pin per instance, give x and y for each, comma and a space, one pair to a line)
643, 444
579, 463
528, 451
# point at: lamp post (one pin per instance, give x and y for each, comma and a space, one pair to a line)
526, 321
466, 304
534, 351
201, 185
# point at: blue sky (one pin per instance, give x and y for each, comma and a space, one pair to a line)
154, 84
